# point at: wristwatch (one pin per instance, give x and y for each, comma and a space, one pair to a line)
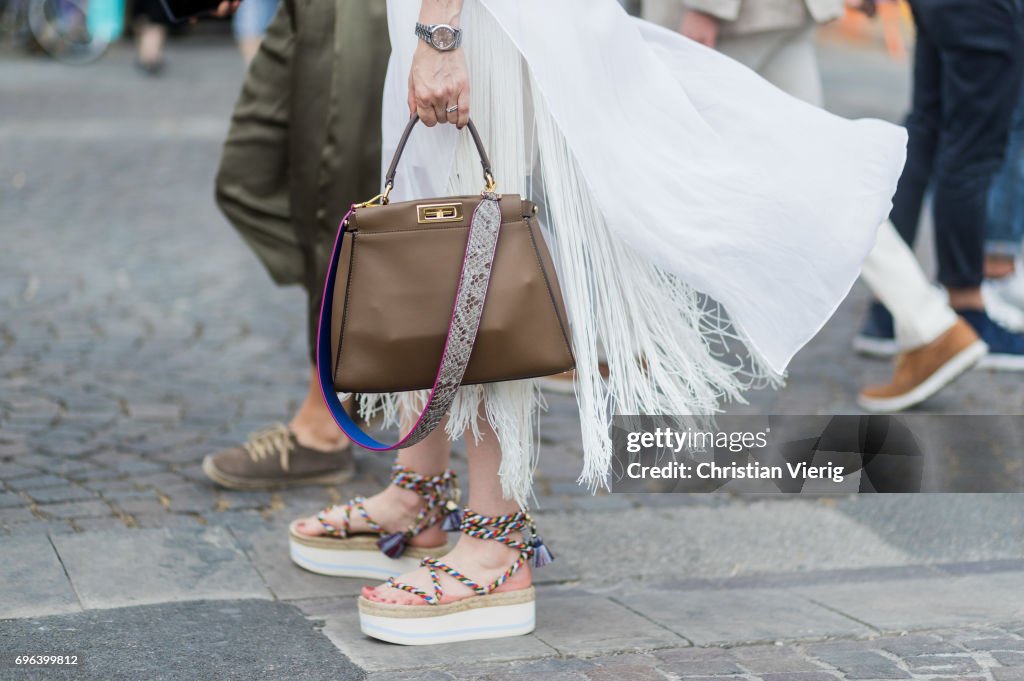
440, 36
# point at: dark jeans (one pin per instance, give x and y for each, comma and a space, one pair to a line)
1006, 200
968, 65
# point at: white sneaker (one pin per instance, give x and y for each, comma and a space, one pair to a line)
1004, 300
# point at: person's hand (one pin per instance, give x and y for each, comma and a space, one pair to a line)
227, 8
700, 27
438, 81
868, 7
224, 9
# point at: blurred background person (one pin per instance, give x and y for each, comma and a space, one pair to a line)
250, 23
304, 144
777, 39
774, 38
1003, 289
968, 61
150, 36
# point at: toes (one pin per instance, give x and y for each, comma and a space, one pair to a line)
377, 593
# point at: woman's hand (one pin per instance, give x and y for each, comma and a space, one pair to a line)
438, 81
700, 27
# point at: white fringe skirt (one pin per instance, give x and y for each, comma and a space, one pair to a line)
669, 348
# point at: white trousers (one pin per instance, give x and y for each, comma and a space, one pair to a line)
788, 59
921, 311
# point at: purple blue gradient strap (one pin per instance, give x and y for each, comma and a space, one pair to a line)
323, 352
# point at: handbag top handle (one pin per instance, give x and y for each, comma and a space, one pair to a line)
389, 181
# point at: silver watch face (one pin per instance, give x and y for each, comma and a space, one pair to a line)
443, 37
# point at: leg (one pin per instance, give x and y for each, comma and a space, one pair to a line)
313, 424
920, 311
667, 13
394, 508
1006, 204
250, 23
151, 43
936, 346
481, 559
793, 67
981, 46
754, 51
1003, 290
249, 47
923, 130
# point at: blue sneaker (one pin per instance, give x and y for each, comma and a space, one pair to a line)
877, 337
1005, 348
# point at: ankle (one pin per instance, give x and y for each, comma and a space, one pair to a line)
316, 429
999, 266
406, 501
487, 553
966, 298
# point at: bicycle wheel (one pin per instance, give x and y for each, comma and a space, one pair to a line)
61, 28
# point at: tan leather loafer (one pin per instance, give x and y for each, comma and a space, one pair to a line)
924, 371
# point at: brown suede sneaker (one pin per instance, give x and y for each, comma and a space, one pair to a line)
924, 371
274, 458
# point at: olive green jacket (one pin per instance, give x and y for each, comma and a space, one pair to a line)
305, 138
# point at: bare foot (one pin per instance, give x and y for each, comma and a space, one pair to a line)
482, 560
394, 509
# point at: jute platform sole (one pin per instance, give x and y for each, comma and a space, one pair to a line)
496, 615
231, 482
356, 556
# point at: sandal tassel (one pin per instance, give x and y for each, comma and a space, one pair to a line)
453, 517
393, 545
541, 553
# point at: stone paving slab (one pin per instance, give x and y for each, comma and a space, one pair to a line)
967, 656
208, 641
121, 568
687, 542
746, 616
581, 624
925, 603
268, 552
32, 579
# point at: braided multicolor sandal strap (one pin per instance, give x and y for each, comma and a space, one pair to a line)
440, 492
497, 528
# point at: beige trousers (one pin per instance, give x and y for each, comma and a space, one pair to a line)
784, 57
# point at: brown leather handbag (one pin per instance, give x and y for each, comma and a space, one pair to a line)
438, 293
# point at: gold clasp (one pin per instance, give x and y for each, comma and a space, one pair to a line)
382, 199
491, 184
439, 212
375, 201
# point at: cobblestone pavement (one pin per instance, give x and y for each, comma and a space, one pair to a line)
138, 334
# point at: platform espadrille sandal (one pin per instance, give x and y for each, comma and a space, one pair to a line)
378, 554
486, 614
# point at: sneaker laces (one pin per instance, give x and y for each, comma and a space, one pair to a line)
273, 441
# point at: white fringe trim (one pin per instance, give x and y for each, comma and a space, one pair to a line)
669, 349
